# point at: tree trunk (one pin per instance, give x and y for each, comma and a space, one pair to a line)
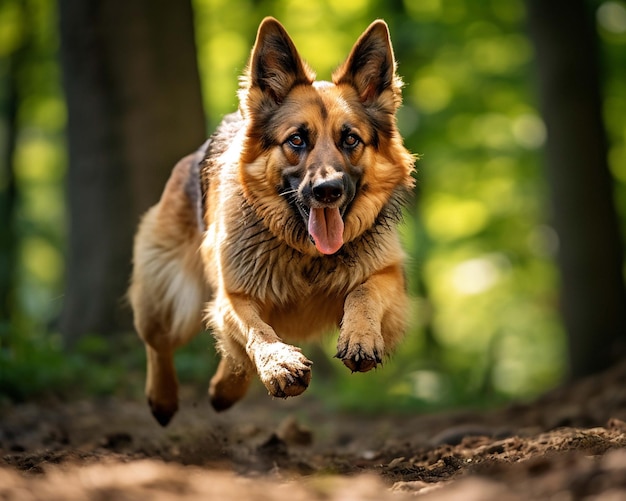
134, 107
590, 252
8, 197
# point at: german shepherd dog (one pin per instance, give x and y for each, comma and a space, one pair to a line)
281, 227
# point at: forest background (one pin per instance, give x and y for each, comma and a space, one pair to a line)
514, 236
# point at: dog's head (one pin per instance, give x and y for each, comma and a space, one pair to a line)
321, 159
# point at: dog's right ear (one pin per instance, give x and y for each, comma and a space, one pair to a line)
275, 67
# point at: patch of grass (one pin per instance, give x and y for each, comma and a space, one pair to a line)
31, 368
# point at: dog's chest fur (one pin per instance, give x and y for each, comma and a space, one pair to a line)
259, 264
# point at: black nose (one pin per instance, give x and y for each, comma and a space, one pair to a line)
328, 192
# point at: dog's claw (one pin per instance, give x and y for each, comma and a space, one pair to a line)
357, 359
220, 404
163, 414
341, 353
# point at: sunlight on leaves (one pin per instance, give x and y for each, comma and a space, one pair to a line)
348, 9
612, 17
324, 51
42, 260
449, 218
493, 130
498, 54
431, 93
11, 27
47, 112
478, 275
529, 131
511, 11
424, 9
227, 52
617, 162
428, 385
38, 159
521, 345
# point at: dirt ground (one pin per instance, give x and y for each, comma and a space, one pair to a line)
568, 445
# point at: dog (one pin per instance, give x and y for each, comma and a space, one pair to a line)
282, 226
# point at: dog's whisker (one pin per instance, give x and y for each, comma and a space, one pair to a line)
288, 193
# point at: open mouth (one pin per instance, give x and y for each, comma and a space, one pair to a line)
325, 227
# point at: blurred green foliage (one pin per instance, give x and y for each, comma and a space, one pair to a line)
485, 323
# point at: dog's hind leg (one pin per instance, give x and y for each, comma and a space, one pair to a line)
229, 383
168, 290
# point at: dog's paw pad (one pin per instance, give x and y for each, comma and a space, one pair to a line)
358, 359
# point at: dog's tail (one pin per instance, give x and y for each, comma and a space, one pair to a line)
168, 290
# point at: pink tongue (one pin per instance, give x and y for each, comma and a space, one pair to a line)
326, 228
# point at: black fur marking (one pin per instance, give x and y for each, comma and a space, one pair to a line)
194, 187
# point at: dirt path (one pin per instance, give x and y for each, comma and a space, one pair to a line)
569, 445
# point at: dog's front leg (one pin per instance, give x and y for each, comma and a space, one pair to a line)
282, 368
374, 320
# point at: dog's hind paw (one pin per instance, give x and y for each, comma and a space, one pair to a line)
163, 413
357, 357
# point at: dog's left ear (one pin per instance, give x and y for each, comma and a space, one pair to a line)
371, 66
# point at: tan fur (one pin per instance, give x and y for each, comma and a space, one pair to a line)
249, 262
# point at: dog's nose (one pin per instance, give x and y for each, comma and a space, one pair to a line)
327, 192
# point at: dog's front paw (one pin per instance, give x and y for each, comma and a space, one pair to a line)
360, 353
283, 369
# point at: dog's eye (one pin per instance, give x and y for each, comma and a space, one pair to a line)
296, 141
351, 141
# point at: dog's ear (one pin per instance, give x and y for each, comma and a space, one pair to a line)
275, 66
371, 66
